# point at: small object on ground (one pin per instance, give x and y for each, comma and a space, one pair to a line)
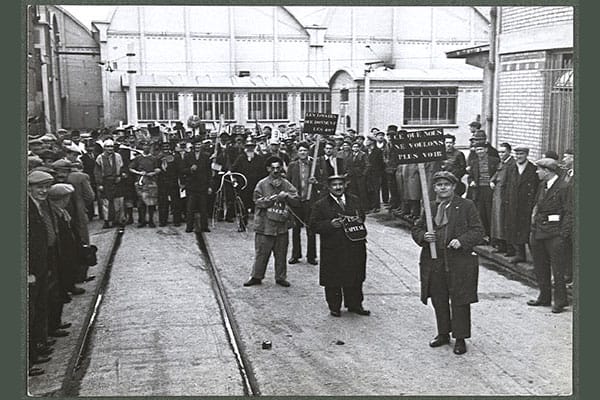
266, 345
339, 342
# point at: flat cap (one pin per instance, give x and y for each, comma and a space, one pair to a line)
551, 154
39, 177
60, 189
72, 147
392, 129
61, 164
336, 177
479, 135
45, 169
522, 149
548, 163
34, 161
476, 124
449, 176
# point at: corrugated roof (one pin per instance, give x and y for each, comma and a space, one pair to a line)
219, 81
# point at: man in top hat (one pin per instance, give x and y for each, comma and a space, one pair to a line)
252, 166
343, 261
551, 225
298, 174
523, 184
108, 173
271, 222
451, 278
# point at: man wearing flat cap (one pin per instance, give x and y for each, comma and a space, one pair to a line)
551, 225
272, 221
343, 260
42, 230
522, 186
451, 278
108, 174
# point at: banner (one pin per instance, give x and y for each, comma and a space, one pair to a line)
422, 146
320, 124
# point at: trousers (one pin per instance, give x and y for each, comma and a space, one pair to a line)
449, 316
264, 245
548, 262
303, 213
352, 296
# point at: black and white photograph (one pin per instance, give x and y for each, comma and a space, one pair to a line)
246, 200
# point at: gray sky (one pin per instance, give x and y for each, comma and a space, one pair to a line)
87, 14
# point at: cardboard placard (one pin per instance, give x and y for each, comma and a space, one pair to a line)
320, 123
238, 130
422, 146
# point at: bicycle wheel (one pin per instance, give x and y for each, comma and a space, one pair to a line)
240, 212
217, 207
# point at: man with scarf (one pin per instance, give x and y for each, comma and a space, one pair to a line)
451, 278
271, 223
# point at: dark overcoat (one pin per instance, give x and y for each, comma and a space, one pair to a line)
461, 264
343, 262
521, 193
197, 181
553, 213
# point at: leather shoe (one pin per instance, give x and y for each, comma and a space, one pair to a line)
59, 333
293, 260
460, 347
313, 262
41, 360
282, 282
557, 309
360, 311
537, 302
440, 340
252, 282
35, 371
335, 313
65, 325
76, 290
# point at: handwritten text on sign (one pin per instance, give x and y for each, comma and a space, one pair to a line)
422, 146
319, 123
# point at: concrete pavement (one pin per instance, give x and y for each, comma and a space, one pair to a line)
515, 349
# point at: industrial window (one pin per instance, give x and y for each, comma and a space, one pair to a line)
157, 106
559, 103
209, 106
430, 105
315, 102
267, 106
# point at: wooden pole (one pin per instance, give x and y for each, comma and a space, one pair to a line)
313, 167
427, 206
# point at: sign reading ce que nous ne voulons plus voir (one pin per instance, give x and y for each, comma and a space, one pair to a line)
421, 146
320, 123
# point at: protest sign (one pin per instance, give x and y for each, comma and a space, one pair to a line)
320, 123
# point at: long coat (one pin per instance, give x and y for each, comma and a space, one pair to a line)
462, 264
553, 213
197, 181
343, 262
356, 169
82, 196
521, 193
500, 198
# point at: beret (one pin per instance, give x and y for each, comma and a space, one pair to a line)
449, 176
548, 163
60, 190
38, 177
61, 164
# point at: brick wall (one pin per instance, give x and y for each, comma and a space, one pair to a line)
521, 18
521, 101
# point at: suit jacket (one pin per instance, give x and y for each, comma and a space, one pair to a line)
343, 262
462, 264
37, 242
197, 181
356, 166
293, 175
552, 213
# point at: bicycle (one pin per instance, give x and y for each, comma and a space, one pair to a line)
239, 209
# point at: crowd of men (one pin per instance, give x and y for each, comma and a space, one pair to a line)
75, 177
